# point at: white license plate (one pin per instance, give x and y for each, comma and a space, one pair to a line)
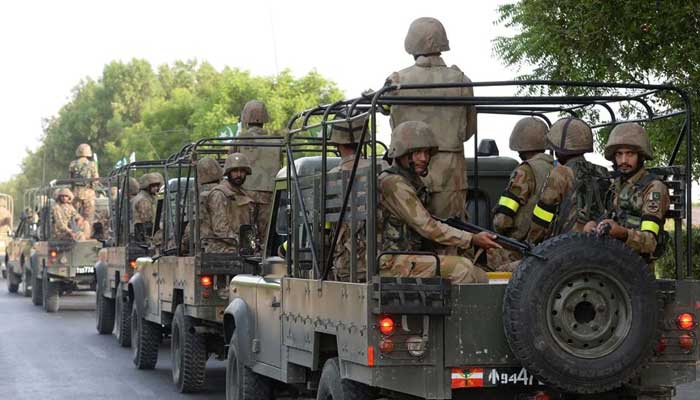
85, 270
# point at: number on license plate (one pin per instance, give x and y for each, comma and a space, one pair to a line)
85, 270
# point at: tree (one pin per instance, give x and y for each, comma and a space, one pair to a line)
616, 41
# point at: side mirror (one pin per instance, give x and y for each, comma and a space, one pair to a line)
487, 148
247, 240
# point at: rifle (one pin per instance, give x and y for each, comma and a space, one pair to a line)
523, 247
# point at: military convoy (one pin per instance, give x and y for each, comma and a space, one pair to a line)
19, 249
7, 212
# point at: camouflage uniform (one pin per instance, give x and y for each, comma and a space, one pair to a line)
209, 174
5, 221
404, 223
639, 202
143, 207
513, 215
63, 215
229, 207
573, 193
84, 168
260, 185
447, 174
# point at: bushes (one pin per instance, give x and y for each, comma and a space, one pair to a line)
666, 267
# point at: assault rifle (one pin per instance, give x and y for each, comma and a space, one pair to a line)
509, 243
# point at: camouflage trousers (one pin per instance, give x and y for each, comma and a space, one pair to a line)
502, 260
456, 269
84, 203
263, 202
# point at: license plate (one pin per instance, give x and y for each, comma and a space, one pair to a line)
88, 269
491, 377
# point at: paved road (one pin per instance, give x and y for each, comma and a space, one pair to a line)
61, 356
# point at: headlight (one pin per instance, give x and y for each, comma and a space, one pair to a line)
415, 346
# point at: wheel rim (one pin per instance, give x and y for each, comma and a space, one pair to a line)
589, 313
176, 351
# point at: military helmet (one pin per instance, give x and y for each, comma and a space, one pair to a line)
64, 192
347, 132
529, 134
570, 136
83, 150
629, 135
254, 112
426, 36
208, 170
237, 160
410, 136
133, 187
149, 179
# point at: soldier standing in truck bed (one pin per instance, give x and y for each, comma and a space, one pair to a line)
144, 206
84, 193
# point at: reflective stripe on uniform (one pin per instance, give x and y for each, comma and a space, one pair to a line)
650, 226
509, 203
543, 214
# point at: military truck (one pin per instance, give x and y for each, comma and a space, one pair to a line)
117, 260
582, 318
19, 248
61, 267
182, 291
6, 236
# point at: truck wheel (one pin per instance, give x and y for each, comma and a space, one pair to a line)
145, 339
241, 382
50, 294
37, 292
12, 284
104, 313
123, 318
591, 315
189, 353
333, 387
26, 288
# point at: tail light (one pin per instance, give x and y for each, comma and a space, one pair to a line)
661, 345
685, 321
686, 342
386, 345
53, 253
205, 280
132, 264
386, 325
541, 396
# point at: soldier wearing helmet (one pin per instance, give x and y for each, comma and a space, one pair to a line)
84, 169
638, 200
447, 176
65, 220
267, 160
513, 215
209, 174
5, 218
231, 206
404, 222
143, 206
574, 192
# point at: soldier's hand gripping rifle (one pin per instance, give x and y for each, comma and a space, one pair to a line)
505, 241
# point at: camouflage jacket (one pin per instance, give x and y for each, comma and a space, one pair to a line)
5, 221
513, 215
266, 161
205, 212
572, 195
82, 168
404, 222
62, 217
640, 204
143, 208
230, 207
452, 125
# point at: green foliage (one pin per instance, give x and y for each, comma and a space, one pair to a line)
666, 266
134, 108
615, 41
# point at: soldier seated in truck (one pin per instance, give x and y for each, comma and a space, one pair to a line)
404, 223
65, 219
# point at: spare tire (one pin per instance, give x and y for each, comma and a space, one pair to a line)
583, 316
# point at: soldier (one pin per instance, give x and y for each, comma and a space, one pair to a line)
267, 160
513, 215
133, 188
84, 168
64, 218
209, 174
574, 191
230, 206
5, 218
447, 175
143, 206
345, 136
404, 223
639, 200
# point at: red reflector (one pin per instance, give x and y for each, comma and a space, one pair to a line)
661, 345
386, 325
471, 378
686, 321
205, 280
541, 396
53, 253
132, 263
370, 356
686, 342
386, 345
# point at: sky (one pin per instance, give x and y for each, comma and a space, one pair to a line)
47, 47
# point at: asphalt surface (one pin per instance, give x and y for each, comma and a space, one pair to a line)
61, 356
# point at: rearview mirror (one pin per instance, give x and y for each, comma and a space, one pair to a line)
487, 147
